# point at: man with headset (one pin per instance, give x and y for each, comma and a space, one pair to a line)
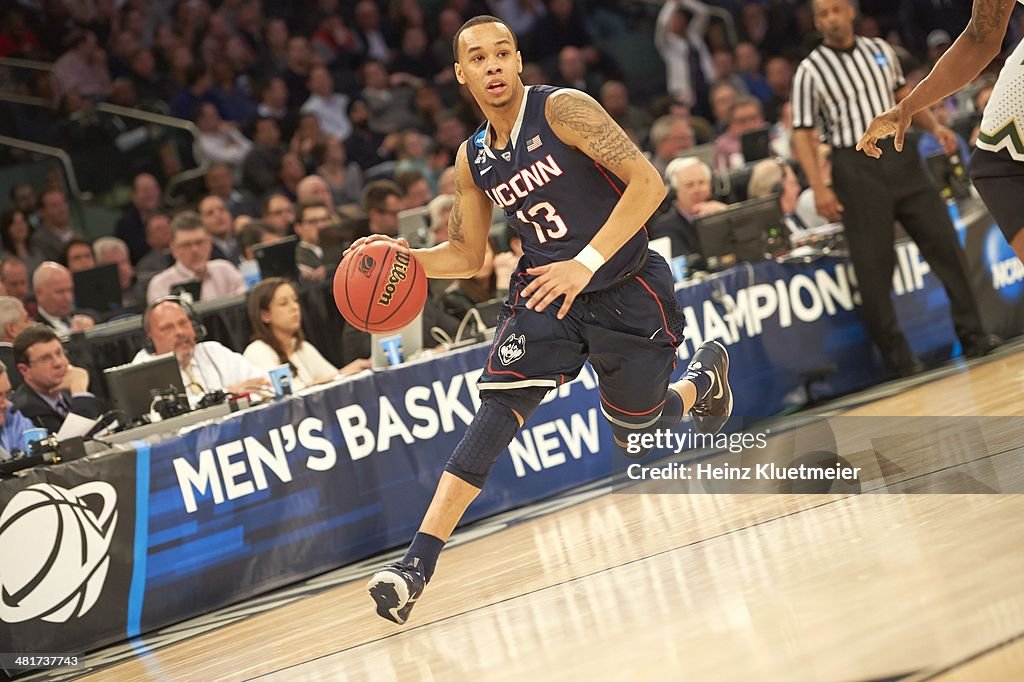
171, 326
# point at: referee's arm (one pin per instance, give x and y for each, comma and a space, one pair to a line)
805, 104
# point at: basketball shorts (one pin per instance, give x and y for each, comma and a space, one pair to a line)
629, 332
999, 179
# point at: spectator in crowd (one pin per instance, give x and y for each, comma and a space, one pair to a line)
256, 232
54, 291
259, 169
372, 42
279, 213
315, 188
390, 107
221, 183
290, 174
151, 86
113, 250
205, 366
220, 140
929, 145
382, 201
690, 179
415, 189
365, 146
573, 71
778, 72
55, 228
446, 183
274, 104
519, 15
328, 106
13, 320
615, 99
679, 38
277, 339
806, 208
344, 179
744, 116
438, 210
53, 388
725, 71
562, 25
77, 255
14, 278
13, 424
723, 96
748, 66
311, 217
83, 68
296, 73
414, 58
131, 228
772, 176
198, 90
671, 135
218, 224
191, 247
15, 237
23, 198
158, 240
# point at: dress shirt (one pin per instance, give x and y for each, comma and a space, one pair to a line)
222, 279
309, 364
213, 367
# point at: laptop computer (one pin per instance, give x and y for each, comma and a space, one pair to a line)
756, 145
277, 259
410, 342
414, 226
132, 387
190, 291
98, 288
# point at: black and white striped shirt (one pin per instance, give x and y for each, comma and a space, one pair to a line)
841, 91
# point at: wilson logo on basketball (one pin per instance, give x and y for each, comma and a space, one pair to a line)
399, 271
366, 264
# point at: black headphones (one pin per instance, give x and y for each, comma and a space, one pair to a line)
197, 326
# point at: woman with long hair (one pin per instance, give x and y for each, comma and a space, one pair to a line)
277, 338
15, 232
344, 178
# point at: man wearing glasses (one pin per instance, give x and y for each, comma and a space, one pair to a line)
191, 247
53, 387
312, 216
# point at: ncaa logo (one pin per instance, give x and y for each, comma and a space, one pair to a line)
63, 547
1005, 268
513, 349
366, 264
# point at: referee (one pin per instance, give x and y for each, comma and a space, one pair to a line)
838, 89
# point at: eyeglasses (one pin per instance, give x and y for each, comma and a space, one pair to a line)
49, 358
194, 244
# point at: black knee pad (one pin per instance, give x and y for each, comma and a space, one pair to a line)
626, 426
491, 431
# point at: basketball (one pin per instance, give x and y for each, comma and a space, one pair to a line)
379, 288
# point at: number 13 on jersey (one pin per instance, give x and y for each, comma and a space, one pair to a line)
551, 216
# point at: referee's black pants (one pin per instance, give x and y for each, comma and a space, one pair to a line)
874, 193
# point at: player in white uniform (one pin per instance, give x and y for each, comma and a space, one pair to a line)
997, 165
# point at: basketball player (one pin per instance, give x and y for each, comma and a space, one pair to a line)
577, 192
997, 165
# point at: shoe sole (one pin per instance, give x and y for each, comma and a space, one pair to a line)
385, 587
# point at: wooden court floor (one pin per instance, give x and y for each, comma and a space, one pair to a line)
696, 587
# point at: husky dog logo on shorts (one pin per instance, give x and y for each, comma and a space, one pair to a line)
513, 349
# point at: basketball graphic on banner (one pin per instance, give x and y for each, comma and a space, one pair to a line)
63, 546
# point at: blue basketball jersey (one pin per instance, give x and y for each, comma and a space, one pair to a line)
555, 197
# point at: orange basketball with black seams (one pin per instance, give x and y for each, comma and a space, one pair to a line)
379, 288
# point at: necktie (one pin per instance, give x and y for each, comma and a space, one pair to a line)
63, 405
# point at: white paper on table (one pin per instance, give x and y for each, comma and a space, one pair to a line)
75, 425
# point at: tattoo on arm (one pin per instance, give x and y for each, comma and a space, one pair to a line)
987, 16
455, 217
607, 143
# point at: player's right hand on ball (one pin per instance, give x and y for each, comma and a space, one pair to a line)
403, 245
827, 204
